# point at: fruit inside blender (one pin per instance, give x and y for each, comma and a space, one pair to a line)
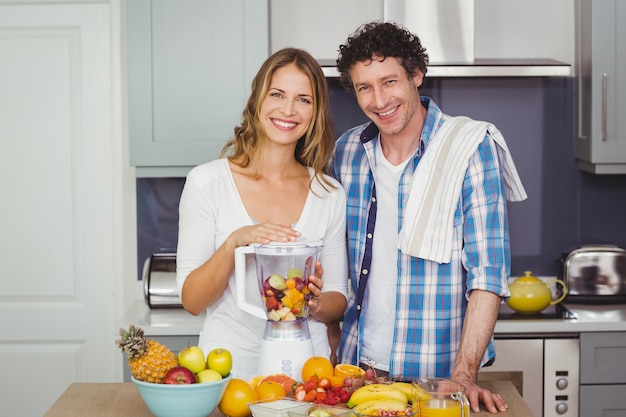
285, 296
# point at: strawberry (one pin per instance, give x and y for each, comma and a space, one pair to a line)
310, 395
320, 396
312, 383
300, 395
324, 383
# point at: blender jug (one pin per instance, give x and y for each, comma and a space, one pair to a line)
282, 275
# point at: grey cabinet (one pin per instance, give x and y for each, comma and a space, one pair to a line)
174, 343
600, 84
599, 400
603, 374
190, 67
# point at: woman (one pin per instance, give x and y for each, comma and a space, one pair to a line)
272, 186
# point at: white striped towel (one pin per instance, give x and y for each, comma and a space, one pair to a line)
436, 186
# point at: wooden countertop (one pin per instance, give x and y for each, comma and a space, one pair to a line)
123, 400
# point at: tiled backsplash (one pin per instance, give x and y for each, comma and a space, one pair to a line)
565, 208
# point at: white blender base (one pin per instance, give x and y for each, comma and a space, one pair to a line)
284, 357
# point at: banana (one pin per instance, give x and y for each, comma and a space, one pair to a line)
376, 392
407, 388
374, 407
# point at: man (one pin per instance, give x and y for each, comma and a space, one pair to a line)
427, 286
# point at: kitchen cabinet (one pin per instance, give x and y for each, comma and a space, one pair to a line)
190, 67
602, 374
174, 343
472, 38
297, 23
600, 142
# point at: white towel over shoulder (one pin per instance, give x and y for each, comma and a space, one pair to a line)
436, 186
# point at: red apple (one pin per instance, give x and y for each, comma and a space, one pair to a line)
179, 375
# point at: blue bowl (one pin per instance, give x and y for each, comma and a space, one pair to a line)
185, 400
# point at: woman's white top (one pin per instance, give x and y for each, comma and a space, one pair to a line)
210, 210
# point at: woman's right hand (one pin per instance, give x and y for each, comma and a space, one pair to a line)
263, 233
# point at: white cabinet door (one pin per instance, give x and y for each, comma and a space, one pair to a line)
61, 231
190, 68
600, 143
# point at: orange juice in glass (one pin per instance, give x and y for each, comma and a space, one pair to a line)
439, 397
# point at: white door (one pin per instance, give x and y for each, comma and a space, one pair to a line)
61, 235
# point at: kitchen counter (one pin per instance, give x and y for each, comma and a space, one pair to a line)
123, 400
162, 321
589, 318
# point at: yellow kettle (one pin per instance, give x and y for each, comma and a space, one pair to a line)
530, 295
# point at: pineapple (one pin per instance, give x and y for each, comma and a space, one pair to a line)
148, 360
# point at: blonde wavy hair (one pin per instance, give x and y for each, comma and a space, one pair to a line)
316, 147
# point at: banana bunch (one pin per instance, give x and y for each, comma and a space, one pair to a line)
371, 399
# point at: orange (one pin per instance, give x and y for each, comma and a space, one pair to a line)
346, 370
269, 390
285, 380
336, 381
238, 394
317, 365
255, 381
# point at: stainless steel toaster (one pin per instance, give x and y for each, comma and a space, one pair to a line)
159, 281
595, 274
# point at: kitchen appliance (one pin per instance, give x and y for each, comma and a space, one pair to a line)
159, 281
544, 368
281, 274
530, 295
595, 274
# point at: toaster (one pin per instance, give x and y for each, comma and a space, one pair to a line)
159, 281
595, 274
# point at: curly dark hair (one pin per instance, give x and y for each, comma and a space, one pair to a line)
381, 40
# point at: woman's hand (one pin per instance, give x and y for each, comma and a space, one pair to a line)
325, 306
263, 233
316, 284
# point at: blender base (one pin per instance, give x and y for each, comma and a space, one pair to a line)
284, 357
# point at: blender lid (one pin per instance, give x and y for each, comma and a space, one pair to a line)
297, 244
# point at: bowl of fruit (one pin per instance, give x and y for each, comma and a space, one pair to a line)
176, 400
190, 384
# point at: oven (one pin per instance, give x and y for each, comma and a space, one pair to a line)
543, 367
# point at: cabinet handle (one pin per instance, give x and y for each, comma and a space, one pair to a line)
580, 71
605, 79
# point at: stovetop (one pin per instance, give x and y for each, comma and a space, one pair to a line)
557, 311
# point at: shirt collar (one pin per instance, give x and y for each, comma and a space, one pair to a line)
432, 115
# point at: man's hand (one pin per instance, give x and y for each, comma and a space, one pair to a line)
480, 319
493, 402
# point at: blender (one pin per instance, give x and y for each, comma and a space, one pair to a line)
282, 277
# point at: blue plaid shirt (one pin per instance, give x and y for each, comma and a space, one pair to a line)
431, 298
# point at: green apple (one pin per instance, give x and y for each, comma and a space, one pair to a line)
319, 413
192, 358
220, 360
208, 375
277, 282
294, 272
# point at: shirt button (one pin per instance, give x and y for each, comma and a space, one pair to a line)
373, 199
364, 271
358, 307
369, 235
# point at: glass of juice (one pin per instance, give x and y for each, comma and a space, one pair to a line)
439, 397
